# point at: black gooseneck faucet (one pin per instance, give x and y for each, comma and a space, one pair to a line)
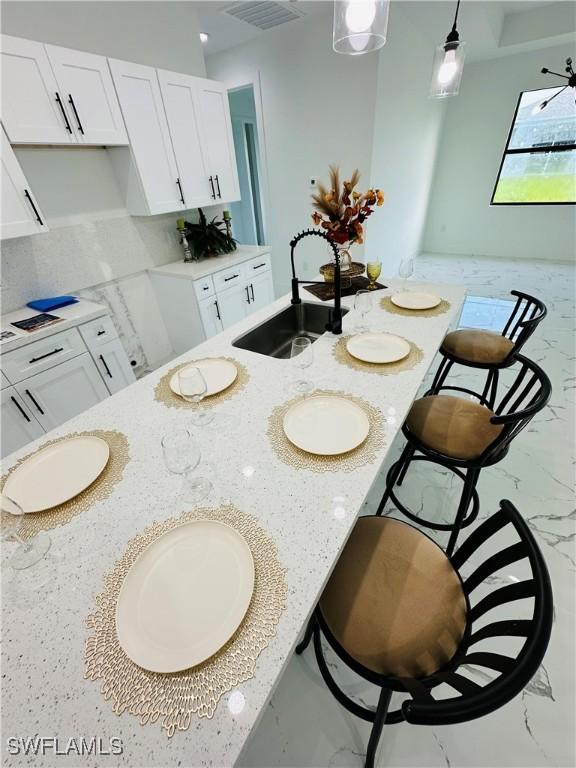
334, 325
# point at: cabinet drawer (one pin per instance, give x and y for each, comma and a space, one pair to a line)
98, 332
228, 278
204, 288
41, 355
257, 265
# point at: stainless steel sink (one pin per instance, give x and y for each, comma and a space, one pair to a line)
274, 336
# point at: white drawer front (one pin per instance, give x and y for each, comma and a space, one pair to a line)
98, 332
4, 380
41, 355
204, 288
228, 278
257, 266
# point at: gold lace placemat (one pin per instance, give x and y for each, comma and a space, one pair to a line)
164, 394
343, 462
100, 489
340, 352
387, 304
172, 699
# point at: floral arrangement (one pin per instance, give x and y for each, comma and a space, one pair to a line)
342, 210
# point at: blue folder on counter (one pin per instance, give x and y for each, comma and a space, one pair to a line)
46, 305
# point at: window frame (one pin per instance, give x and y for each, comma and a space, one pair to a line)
530, 151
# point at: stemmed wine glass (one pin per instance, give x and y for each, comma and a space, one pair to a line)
363, 305
406, 268
193, 389
182, 456
301, 352
373, 269
28, 552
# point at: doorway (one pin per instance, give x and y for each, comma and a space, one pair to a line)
247, 215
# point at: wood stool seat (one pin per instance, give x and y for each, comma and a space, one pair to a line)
477, 346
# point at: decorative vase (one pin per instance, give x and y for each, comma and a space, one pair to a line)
345, 258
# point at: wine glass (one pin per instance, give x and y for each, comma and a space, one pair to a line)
28, 552
193, 389
373, 269
406, 268
182, 456
301, 353
363, 305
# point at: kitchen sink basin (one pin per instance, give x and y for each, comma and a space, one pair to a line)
274, 336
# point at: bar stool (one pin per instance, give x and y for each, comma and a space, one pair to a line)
488, 350
464, 437
406, 617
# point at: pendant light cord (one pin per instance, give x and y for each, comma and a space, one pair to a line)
453, 35
456, 16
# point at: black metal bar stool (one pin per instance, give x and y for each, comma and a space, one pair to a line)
464, 437
487, 350
406, 617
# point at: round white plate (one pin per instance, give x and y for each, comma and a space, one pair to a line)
416, 300
219, 375
378, 347
326, 425
185, 596
57, 473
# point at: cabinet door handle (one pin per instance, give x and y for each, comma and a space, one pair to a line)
212, 187
181, 193
31, 396
257, 266
105, 365
17, 404
217, 310
252, 291
205, 287
71, 102
29, 197
48, 354
247, 295
101, 332
64, 115
218, 186
232, 277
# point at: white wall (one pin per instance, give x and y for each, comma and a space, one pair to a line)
407, 129
460, 219
318, 109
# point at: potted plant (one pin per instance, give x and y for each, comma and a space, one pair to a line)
208, 238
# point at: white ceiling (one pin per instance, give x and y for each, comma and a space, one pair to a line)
489, 27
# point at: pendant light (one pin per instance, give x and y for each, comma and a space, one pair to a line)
448, 64
571, 77
360, 25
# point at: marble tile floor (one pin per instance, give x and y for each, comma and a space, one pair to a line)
304, 726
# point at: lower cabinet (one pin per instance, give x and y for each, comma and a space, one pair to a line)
64, 391
18, 424
210, 316
113, 365
233, 305
261, 291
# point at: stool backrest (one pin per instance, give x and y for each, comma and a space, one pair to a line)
507, 674
524, 319
527, 396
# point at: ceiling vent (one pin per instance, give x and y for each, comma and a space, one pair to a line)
263, 15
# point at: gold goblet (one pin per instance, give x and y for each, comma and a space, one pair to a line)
373, 269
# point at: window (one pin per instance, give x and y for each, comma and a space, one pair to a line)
539, 163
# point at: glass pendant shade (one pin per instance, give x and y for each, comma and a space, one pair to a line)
360, 25
447, 69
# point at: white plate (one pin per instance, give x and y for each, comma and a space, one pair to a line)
185, 596
378, 347
219, 375
416, 300
326, 425
57, 473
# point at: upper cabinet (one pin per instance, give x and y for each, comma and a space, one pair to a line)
21, 214
53, 95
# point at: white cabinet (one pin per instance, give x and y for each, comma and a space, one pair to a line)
233, 305
64, 391
113, 365
86, 85
33, 111
179, 94
261, 291
149, 177
217, 139
18, 425
21, 214
211, 317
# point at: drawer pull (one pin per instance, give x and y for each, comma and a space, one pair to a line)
217, 310
105, 365
205, 287
258, 266
232, 277
252, 291
48, 354
101, 332
31, 396
247, 295
22, 411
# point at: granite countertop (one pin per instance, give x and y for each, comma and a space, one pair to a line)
73, 314
195, 270
310, 516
